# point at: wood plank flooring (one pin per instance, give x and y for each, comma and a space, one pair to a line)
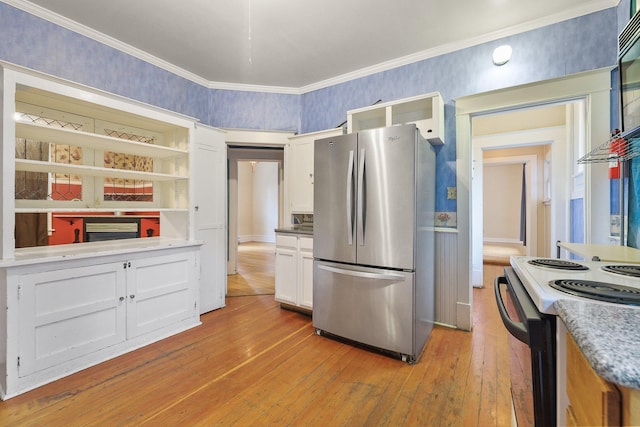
255, 364
255, 270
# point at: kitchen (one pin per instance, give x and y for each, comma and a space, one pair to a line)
321, 109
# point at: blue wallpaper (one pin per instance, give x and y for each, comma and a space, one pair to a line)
550, 52
580, 44
252, 110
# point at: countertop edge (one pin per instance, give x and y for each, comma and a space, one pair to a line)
295, 230
605, 335
56, 253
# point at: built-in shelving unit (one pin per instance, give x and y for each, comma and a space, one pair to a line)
71, 154
68, 148
426, 111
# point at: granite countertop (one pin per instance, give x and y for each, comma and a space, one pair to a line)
296, 229
609, 337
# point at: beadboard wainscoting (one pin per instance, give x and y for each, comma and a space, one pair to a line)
446, 279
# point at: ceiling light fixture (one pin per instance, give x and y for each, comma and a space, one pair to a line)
502, 54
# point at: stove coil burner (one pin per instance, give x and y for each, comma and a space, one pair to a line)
599, 291
626, 270
559, 264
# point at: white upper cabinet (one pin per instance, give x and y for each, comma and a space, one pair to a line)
426, 111
300, 168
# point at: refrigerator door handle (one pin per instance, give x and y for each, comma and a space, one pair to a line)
360, 230
364, 274
350, 199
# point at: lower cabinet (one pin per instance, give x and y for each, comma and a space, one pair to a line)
294, 270
65, 316
592, 400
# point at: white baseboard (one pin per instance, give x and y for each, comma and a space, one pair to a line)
257, 238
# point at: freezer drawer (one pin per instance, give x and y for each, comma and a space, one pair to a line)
367, 305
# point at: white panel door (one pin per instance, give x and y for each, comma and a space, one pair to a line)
210, 205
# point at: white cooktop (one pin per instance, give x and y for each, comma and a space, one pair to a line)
535, 280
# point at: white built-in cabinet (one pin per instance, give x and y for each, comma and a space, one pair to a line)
300, 166
294, 270
426, 111
83, 151
66, 313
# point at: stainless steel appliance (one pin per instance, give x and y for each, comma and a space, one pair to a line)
373, 279
525, 297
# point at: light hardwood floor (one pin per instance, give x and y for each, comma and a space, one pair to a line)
255, 270
255, 364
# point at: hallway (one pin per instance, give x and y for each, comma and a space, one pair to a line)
256, 270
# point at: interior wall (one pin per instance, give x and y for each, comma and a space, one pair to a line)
245, 202
541, 152
265, 201
502, 192
257, 201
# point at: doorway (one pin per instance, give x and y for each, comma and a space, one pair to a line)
255, 200
510, 200
594, 87
526, 136
257, 218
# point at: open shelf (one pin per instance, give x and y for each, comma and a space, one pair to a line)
48, 167
426, 111
94, 141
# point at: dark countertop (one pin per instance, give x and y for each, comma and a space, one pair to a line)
608, 336
296, 229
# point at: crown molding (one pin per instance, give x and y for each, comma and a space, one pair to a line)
581, 10
38, 11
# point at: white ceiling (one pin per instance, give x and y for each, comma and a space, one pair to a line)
298, 44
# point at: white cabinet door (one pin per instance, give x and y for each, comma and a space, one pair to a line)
159, 292
210, 207
65, 314
305, 267
302, 176
286, 269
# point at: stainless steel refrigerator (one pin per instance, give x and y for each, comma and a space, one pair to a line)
373, 239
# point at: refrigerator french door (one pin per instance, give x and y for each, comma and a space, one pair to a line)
364, 189
373, 226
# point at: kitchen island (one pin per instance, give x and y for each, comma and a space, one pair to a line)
607, 336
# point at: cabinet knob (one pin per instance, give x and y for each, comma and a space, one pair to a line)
132, 296
197, 208
121, 299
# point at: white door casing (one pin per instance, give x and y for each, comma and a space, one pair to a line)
595, 87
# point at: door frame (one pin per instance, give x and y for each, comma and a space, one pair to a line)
553, 136
595, 87
253, 144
